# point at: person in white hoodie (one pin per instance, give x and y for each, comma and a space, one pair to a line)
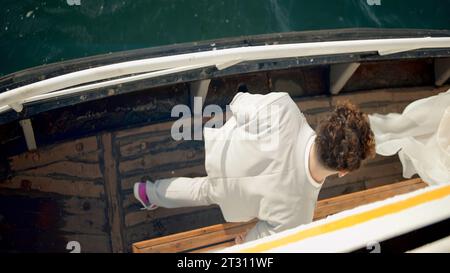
266, 162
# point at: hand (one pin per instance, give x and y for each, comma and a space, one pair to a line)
240, 238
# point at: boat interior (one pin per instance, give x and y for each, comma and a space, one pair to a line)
68, 163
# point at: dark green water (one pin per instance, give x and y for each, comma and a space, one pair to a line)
38, 32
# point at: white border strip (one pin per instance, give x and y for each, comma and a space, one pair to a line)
220, 58
364, 234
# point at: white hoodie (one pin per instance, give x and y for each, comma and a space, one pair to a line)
257, 164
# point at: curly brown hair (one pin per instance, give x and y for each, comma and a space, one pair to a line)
344, 139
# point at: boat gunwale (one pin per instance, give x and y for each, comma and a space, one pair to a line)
251, 66
222, 43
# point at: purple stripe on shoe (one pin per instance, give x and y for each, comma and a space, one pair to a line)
143, 194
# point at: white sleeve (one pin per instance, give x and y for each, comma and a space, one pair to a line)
244, 105
260, 230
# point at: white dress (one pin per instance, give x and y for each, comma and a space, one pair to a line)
420, 135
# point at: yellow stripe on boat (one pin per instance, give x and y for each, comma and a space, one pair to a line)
352, 220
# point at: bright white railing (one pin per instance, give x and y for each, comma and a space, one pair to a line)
159, 66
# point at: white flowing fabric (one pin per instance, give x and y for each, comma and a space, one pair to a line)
420, 135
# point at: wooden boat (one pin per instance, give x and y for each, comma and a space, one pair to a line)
76, 135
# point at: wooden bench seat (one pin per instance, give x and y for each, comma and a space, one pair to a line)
222, 235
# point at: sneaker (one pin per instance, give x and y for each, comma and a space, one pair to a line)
140, 194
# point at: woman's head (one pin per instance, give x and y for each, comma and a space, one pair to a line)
344, 139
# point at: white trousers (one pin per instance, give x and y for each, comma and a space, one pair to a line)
179, 192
